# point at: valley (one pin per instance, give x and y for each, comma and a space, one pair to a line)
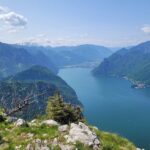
74, 75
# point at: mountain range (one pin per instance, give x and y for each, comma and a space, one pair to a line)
133, 63
16, 58
71, 55
27, 70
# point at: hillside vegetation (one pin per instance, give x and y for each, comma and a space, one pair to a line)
51, 135
29, 83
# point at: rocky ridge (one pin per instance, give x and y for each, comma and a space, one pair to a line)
72, 134
50, 135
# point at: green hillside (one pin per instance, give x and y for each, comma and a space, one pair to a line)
31, 82
58, 129
133, 63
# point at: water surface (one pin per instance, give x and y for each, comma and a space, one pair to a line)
112, 105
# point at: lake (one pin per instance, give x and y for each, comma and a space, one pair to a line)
112, 105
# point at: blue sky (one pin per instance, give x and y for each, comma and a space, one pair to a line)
71, 22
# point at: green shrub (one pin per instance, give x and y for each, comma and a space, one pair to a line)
62, 112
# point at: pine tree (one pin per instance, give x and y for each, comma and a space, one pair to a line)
62, 112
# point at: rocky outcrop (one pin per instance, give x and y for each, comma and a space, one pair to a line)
81, 132
71, 134
38, 145
44, 145
19, 122
75, 136
50, 123
63, 128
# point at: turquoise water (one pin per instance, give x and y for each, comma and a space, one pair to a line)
112, 105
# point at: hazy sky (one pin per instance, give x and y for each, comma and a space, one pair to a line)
71, 22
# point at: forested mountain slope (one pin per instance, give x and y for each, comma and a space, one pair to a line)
29, 83
133, 63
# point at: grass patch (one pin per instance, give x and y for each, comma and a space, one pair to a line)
11, 136
110, 141
15, 136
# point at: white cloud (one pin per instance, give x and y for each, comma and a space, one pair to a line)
41, 35
40, 39
12, 20
146, 29
44, 39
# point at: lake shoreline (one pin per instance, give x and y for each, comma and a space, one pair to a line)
135, 84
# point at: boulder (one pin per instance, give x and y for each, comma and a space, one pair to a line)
81, 132
63, 128
50, 123
20, 122
33, 123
